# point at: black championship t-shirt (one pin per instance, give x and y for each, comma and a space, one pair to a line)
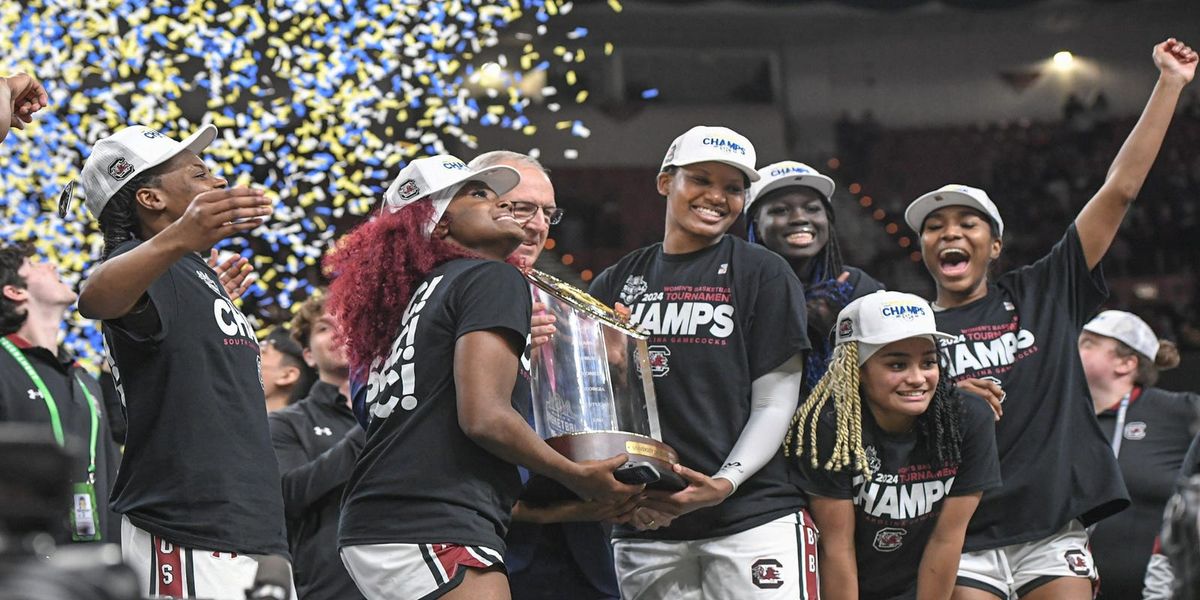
1023, 335
420, 479
198, 468
719, 318
1159, 426
896, 512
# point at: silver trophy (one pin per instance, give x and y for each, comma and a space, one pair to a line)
593, 397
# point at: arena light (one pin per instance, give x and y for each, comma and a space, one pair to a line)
1064, 60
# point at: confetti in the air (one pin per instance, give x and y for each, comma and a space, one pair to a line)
318, 101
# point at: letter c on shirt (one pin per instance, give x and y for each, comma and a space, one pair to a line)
228, 325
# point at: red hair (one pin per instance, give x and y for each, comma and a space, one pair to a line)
375, 269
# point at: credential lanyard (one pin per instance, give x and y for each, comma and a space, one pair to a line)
1119, 431
52, 406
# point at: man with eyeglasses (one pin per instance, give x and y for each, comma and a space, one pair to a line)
562, 550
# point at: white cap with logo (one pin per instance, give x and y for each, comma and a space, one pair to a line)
788, 173
952, 195
717, 144
1126, 328
878, 319
441, 177
117, 158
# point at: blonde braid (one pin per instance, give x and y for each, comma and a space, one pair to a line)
840, 383
812, 405
853, 406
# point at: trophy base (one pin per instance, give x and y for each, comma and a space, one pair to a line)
602, 445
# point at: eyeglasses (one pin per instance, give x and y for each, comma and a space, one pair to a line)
526, 210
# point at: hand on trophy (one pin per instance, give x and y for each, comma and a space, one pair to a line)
541, 326
701, 491
593, 480
644, 518
572, 511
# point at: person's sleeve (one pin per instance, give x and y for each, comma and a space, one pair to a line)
601, 288
979, 469
777, 319
306, 481
1062, 277
114, 411
818, 480
864, 284
163, 301
1191, 461
492, 296
773, 399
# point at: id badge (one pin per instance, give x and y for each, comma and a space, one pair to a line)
85, 518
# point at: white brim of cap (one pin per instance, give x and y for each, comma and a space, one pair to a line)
196, 142
821, 183
500, 178
920, 208
1101, 328
887, 338
751, 173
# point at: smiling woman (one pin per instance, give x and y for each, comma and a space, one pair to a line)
790, 211
1015, 338
438, 325
896, 467
727, 330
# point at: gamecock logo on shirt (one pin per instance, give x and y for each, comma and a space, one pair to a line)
889, 539
658, 356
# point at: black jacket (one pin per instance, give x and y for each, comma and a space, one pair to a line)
20, 402
316, 442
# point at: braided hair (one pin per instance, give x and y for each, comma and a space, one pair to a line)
119, 221
938, 428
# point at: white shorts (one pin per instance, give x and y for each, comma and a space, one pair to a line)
1016, 570
167, 569
414, 571
776, 560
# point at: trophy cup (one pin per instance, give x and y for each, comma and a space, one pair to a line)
592, 393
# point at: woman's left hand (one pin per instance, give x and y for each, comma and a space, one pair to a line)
701, 491
236, 273
1175, 59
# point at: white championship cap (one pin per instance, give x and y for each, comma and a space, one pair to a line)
717, 144
117, 158
428, 176
1126, 328
878, 319
785, 174
952, 195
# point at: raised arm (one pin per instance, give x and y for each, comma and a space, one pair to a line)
1097, 223
20, 96
486, 415
118, 285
